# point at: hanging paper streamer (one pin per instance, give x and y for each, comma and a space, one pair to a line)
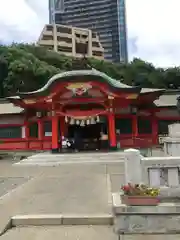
82, 123
92, 121
97, 119
72, 121
77, 122
85, 121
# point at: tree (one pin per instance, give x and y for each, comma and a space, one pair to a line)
26, 67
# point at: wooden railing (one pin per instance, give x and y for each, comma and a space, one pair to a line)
140, 141
126, 141
21, 144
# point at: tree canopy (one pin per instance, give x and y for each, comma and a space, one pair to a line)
26, 67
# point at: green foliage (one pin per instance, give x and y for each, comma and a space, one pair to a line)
28, 67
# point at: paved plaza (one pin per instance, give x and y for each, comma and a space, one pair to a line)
77, 233
71, 187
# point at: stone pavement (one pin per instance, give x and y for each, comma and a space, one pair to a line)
72, 188
48, 159
150, 237
64, 233
76, 233
77, 188
9, 183
82, 193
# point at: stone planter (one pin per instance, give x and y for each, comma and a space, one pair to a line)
139, 200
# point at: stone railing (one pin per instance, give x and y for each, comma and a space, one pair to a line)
161, 171
154, 171
160, 219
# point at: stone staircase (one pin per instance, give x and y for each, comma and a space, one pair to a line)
49, 159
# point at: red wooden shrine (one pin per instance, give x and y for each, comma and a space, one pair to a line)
84, 97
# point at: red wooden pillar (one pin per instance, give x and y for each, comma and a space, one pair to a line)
62, 130
26, 130
40, 129
55, 133
134, 129
40, 132
26, 127
112, 131
62, 126
154, 122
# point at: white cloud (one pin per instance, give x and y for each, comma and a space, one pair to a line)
155, 24
20, 22
152, 26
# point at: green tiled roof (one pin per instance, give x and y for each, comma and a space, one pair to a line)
89, 73
86, 75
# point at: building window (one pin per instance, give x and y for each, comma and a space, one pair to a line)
96, 53
64, 30
64, 39
47, 37
95, 44
47, 128
93, 35
123, 125
11, 132
144, 125
33, 130
65, 49
163, 126
49, 27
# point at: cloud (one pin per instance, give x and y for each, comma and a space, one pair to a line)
152, 26
21, 21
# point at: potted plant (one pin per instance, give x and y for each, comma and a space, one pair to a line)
139, 195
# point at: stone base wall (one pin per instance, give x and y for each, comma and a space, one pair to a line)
147, 224
161, 219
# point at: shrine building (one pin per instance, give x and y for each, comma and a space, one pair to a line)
91, 101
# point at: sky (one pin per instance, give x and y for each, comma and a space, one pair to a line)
153, 32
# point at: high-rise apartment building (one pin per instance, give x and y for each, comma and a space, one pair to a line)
56, 9
106, 17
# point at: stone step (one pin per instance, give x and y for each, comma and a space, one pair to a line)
51, 163
77, 155
57, 219
48, 159
80, 158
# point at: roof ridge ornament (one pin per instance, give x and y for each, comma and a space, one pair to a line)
81, 64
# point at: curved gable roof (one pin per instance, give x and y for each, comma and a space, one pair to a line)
94, 73
90, 74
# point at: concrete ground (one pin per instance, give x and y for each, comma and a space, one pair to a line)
150, 237
64, 233
64, 189
76, 233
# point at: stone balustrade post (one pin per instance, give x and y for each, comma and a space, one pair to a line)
172, 142
133, 166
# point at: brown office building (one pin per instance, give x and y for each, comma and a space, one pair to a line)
71, 41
